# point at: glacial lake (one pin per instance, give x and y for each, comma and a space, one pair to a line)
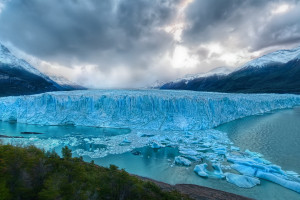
276, 135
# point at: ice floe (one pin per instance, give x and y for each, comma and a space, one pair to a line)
242, 180
179, 160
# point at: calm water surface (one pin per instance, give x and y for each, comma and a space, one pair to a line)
275, 135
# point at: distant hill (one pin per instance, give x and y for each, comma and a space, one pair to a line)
17, 77
277, 72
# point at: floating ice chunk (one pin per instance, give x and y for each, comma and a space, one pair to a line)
87, 140
194, 158
292, 173
256, 165
201, 170
156, 145
188, 134
226, 167
279, 179
182, 161
206, 145
234, 148
242, 180
218, 173
190, 152
220, 150
253, 154
243, 169
125, 142
203, 149
262, 160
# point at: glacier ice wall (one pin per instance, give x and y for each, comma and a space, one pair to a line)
140, 109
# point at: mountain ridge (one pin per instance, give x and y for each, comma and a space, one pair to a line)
277, 72
18, 77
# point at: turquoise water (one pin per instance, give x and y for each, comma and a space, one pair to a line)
158, 165
275, 135
15, 129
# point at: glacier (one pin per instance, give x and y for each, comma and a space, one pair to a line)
158, 119
140, 109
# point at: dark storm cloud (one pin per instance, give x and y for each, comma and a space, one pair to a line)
248, 22
283, 29
86, 30
125, 43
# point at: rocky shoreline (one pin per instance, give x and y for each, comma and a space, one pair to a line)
196, 191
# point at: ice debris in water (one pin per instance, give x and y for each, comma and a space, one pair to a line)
242, 180
201, 170
179, 160
253, 154
125, 142
156, 145
234, 148
210, 150
252, 164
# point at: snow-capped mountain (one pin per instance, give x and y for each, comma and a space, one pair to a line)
276, 57
219, 71
17, 77
67, 84
277, 72
215, 71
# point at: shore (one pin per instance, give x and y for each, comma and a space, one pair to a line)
196, 191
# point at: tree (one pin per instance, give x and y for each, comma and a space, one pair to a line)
66, 152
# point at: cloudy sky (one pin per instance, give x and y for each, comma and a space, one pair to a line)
133, 43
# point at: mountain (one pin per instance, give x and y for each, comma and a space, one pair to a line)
277, 72
67, 84
17, 77
219, 71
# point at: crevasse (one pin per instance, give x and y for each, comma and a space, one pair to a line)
140, 109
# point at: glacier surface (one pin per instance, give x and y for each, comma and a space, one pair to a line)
140, 109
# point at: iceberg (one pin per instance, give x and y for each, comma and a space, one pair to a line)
140, 109
182, 161
243, 169
156, 145
201, 170
261, 168
189, 152
281, 180
218, 173
242, 180
234, 148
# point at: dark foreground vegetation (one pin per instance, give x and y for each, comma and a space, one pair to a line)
30, 173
